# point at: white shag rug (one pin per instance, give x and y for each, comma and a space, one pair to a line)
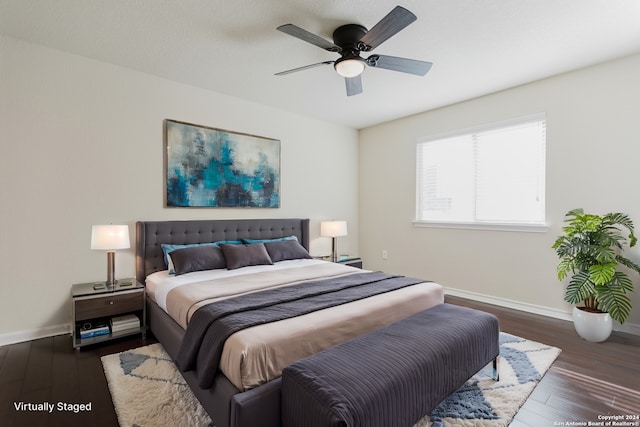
483, 402
148, 391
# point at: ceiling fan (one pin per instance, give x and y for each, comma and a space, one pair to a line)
351, 39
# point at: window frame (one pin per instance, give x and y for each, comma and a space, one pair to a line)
521, 226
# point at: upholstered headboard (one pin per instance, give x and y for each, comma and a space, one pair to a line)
151, 234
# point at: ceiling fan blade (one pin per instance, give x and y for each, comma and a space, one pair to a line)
354, 85
306, 67
308, 37
404, 65
388, 26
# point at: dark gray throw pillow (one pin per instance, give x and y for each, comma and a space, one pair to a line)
286, 249
245, 255
197, 258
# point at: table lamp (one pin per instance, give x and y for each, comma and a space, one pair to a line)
333, 229
109, 238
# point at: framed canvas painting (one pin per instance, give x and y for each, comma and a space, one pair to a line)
208, 167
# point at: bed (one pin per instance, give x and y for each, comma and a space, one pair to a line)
243, 388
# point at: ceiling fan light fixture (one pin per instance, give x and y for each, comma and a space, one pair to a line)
350, 67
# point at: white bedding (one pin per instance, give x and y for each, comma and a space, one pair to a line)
160, 283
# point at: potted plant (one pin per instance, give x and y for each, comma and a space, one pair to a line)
590, 251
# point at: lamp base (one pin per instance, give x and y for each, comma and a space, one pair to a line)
334, 249
111, 269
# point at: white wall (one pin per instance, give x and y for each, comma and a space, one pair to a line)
593, 147
82, 144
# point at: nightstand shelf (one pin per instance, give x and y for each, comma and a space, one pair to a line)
91, 306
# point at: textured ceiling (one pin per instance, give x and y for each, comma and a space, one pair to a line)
232, 47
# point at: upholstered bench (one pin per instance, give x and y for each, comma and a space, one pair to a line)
392, 376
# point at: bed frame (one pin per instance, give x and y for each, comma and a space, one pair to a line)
227, 406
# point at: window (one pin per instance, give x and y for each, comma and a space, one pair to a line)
488, 177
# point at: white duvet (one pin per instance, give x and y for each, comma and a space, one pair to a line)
160, 283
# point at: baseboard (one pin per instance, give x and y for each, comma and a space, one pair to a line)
34, 334
630, 328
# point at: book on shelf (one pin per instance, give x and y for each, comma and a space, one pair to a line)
124, 323
89, 330
94, 333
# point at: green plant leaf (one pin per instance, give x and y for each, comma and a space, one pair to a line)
608, 237
575, 212
617, 218
562, 246
580, 288
558, 242
603, 254
614, 301
601, 274
628, 263
621, 280
564, 268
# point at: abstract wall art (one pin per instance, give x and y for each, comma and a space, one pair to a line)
208, 167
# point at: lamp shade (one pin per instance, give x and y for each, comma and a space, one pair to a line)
333, 228
110, 237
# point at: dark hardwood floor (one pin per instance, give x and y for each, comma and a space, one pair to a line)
588, 380
50, 370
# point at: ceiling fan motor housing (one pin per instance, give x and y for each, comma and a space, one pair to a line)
348, 38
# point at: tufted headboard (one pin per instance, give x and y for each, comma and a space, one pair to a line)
151, 234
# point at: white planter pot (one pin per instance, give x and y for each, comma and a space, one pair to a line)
594, 327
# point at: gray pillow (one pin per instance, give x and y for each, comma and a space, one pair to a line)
197, 258
286, 249
245, 255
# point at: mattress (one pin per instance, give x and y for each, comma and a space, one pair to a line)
258, 354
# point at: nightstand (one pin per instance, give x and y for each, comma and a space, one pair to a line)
353, 262
94, 307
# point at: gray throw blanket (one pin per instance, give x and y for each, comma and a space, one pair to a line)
212, 324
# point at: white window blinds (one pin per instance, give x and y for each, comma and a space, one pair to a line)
494, 174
